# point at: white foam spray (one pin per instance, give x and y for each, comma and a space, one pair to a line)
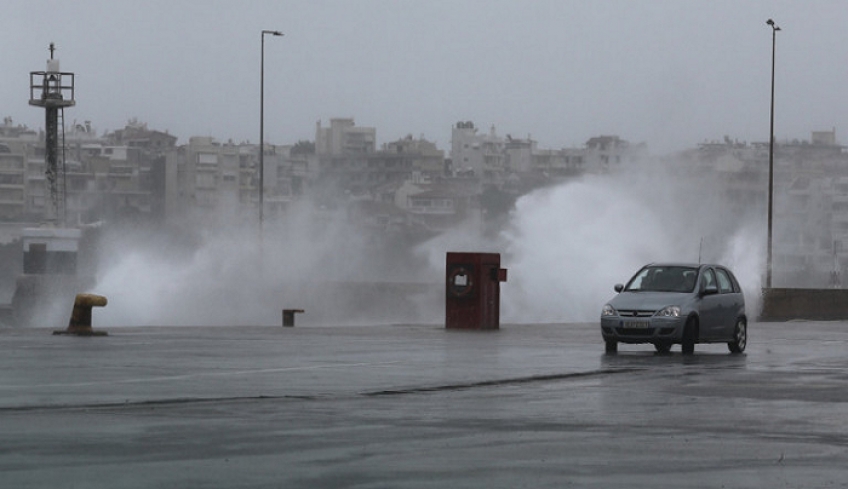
231, 274
564, 246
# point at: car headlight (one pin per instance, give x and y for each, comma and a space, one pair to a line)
608, 311
669, 312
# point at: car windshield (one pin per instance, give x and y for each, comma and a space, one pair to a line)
663, 279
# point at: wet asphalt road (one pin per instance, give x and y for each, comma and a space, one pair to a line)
419, 406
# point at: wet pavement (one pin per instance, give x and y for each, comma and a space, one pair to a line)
419, 406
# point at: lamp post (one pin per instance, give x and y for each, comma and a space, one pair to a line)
774, 29
262, 126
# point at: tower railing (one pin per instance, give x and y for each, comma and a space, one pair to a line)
51, 88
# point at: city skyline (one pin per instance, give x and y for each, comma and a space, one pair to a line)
663, 73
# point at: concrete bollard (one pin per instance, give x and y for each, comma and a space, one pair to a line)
288, 316
80, 323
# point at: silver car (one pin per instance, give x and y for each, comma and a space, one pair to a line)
685, 304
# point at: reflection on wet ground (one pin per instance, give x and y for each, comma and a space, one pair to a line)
649, 359
416, 406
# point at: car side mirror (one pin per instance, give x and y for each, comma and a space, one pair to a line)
710, 290
619, 287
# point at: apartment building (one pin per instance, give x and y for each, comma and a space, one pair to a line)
424, 157
100, 176
17, 148
12, 188
559, 163
477, 154
607, 153
344, 137
435, 206
493, 158
206, 175
810, 196
350, 164
209, 177
114, 176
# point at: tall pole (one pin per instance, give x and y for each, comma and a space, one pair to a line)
262, 127
774, 30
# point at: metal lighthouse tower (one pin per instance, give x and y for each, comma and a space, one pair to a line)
50, 250
53, 90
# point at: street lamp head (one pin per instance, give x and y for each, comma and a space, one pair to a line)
773, 26
273, 33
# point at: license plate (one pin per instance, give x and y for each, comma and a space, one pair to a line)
635, 324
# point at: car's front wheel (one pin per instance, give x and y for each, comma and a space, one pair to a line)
740, 337
690, 336
611, 346
662, 347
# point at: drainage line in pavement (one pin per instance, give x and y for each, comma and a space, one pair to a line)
497, 382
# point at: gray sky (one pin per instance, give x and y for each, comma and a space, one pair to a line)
669, 73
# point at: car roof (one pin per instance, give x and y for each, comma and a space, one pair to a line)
687, 265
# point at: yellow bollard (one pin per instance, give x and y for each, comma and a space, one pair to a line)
80, 323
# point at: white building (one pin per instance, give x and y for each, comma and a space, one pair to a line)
343, 137
479, 155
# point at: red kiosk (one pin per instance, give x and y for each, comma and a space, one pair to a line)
472, 293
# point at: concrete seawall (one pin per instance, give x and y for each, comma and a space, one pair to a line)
815, 304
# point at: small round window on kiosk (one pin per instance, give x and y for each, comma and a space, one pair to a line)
460, 282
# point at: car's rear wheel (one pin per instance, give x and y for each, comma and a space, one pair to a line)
740, 337
690, 335
662, 347
611, 346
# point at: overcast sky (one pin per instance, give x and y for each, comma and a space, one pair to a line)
668, 73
